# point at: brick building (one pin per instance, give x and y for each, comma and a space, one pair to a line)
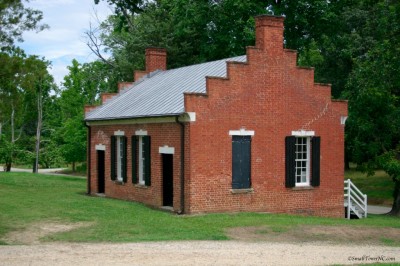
249, 133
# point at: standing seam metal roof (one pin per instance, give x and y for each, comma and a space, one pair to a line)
160, 93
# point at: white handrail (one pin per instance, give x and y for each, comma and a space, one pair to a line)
348, 199
354, 187
355, 197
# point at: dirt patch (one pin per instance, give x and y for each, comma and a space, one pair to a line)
310, 233
34, 232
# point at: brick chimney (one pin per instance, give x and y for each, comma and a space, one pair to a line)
269, 33
156, 59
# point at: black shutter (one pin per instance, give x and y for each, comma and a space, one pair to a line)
147, 160
134, 159
290, 163
123, 161
236, 161
246, 162
315, 161
113, 162
241, 162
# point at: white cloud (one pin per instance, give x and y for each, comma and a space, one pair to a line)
68, 20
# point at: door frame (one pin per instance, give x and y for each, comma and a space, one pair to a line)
167, 152
100, 163
167, 179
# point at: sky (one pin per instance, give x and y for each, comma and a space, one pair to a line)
65, 40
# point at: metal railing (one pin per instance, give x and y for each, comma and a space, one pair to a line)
354, 200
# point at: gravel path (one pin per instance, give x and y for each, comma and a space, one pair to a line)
195, 253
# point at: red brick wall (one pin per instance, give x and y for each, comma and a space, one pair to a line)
161, 135
273, 97
156, 59
270, 95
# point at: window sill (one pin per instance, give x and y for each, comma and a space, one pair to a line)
141, 186
118, 182
303, 188
242, 190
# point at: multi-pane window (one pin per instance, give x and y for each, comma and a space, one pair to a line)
141, 164
118, 158
302, 161
141, 159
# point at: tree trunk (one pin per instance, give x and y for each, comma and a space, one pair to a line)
12, 124
346, 163
73, 166
38, 129
8, 167
34, 170
396, 199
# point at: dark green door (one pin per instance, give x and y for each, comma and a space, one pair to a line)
241, 151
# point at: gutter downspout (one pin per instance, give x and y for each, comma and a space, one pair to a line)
88, 156
182, 177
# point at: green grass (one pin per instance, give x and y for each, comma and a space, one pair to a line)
27, 198
379, 187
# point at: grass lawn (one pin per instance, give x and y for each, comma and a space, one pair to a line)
379, 187
26, 199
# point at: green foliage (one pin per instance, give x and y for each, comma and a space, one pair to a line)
390, 162
378, 187
74, 137
15, 19
6, 150
24, 83
82, 86
373, 135
191, 31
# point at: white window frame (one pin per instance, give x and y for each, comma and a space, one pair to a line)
141, 163
141, 160
299, 160
119, 157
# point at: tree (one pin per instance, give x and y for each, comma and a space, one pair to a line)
82, 86
24, 83
191, 31
39, 83
11, 103
15, 19
373, 92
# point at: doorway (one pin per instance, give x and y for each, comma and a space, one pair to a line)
100, 171
167, 173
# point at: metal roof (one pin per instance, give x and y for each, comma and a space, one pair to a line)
160, 93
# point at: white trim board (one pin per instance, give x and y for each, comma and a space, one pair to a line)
141, 132
303, 133
185, 117
166, 150
241, 132
100, 147
119, 133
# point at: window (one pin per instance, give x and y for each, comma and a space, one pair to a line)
302, 161
141, 162
118, 158
241, 163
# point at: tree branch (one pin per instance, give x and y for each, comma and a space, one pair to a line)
95, 44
